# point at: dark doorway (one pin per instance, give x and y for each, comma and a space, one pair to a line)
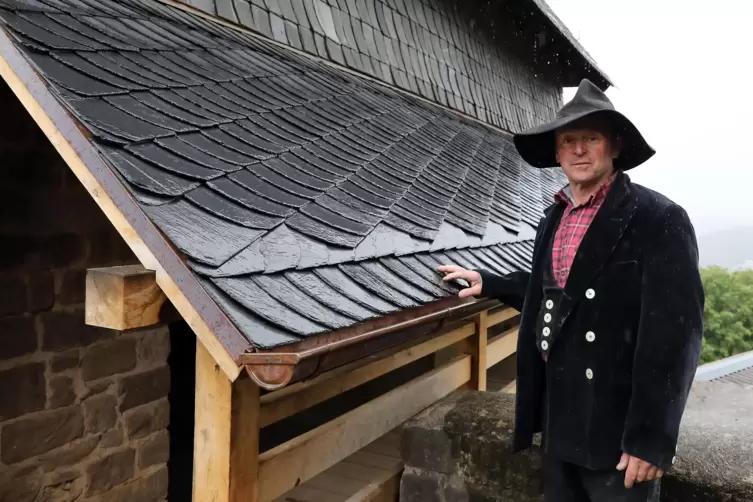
182, 362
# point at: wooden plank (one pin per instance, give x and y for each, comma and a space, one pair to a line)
150, 247
384, 488
121, 298
302, 458
211, 473
292, 400
244, 442
502, 347
501, 316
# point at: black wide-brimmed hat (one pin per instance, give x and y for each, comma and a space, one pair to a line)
537, 145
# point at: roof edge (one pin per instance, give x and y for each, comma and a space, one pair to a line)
212, 327
724, 367
275, 369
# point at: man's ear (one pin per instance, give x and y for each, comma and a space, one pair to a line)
616, 146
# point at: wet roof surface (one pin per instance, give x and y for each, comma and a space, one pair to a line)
306, 199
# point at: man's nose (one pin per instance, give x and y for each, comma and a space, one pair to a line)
580, 148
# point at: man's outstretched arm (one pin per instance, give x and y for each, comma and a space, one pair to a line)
509, 289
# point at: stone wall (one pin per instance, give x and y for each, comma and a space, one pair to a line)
83, 410
459, 450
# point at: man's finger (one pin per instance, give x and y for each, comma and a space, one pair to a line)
643, 468
630, 473
449, 268
623, 462
659, 473
472, 291
651, 473
455, 275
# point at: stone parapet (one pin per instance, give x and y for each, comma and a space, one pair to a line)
460, 450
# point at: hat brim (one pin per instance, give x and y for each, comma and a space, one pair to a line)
537, 145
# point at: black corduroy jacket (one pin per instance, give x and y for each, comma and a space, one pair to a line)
630, 327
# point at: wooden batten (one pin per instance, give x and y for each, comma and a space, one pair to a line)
123, 297
300, 459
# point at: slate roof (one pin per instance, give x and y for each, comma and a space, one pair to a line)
305, 198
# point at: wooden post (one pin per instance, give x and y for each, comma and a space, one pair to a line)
244, 441
479, 340
211, 457
226, 435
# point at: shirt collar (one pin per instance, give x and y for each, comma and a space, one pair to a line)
566, 194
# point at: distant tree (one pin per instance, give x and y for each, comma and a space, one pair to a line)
728, 313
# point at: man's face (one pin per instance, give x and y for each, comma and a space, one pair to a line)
585, 152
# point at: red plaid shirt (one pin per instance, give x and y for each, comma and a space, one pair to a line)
572, 227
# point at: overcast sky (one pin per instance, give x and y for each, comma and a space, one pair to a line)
683, 75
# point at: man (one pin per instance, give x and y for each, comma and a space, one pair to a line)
611, 312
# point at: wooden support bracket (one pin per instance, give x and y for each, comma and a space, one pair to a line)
124, 297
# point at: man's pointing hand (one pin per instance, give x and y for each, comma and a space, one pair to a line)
637, 470
473, 278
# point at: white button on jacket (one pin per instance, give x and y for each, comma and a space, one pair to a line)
544, 345
546, 331
547, 317
589, 374
590, 336
549, 304
590, 293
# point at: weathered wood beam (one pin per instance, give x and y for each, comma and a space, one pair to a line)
300, 459
226, 435
291, 400
501, 316
124, 297
502, 347
212, 423
479, 352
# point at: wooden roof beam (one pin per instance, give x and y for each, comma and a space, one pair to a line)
124, 297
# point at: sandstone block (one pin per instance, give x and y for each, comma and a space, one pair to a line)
37, 434
19, 485
72, 287
12, 295
112, 438
148, 418
69, 454
66, 330
65, 361
41, 287
155, 450
148, 488
100, 413
64, 485
465, 442
18, 337
144, 387
62, 392
108, 358
154, 346
112, 470
22, 390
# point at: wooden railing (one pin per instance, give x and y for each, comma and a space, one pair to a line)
228, 466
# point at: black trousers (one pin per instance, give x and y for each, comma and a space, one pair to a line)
565, 482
